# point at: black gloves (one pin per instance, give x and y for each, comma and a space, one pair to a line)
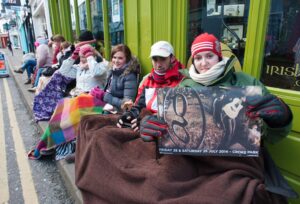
129, 118
271, 109
151, 127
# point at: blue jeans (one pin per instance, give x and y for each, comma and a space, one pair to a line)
38, 75
29, 66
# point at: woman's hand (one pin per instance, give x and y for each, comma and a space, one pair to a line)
75, 53
151, 128
271, 109
86, 51
127, 104
97, 92
129, 119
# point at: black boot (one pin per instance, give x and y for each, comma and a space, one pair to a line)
70, 158
20, 71
28, 81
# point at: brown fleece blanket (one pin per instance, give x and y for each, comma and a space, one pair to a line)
114, 166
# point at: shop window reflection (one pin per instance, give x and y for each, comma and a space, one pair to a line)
282, 49
226, 19
82, 17
116, 21
97, 22
73, 19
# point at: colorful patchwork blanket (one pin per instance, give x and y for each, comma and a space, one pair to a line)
63, 125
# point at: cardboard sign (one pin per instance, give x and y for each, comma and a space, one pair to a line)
209, 121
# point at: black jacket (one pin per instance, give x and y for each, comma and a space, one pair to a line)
122, 84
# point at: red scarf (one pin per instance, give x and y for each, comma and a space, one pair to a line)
169, 75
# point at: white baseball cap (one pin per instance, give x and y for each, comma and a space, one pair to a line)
162, 49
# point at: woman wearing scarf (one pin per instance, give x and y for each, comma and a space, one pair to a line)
122, 80
216, 179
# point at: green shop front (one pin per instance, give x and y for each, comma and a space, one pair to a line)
264, 35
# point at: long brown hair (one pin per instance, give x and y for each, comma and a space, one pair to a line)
121, 48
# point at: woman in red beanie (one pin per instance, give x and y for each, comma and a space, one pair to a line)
221, 179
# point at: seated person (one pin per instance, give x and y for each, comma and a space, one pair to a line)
88, 73
43, 60
29, 63
121, 87
122, 80
66, 51
56, 42
133, 165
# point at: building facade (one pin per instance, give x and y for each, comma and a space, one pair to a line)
264, 35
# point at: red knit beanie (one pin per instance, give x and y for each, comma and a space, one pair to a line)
206, 42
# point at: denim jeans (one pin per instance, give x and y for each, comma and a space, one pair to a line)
29, 66
38, 75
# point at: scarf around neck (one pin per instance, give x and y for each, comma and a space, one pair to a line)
210, 75
170, 73
158, 77
123, 67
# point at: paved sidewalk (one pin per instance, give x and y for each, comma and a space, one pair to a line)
67, 170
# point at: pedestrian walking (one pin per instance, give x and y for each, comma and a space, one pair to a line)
9, 46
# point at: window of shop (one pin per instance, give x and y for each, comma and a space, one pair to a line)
97, 22
82, 17
73, 21
116, 21
281, 67
226, 19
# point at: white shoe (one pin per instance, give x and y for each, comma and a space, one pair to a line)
32, 89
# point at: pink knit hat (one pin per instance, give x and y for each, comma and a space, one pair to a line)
206, 42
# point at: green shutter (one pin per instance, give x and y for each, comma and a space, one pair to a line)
256, 33
149, 21
54, 16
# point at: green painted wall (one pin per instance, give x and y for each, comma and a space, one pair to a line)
106, 29
55, 22
65, 18
149, 21
88, 14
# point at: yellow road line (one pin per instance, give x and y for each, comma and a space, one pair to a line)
4, 192
29, 192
